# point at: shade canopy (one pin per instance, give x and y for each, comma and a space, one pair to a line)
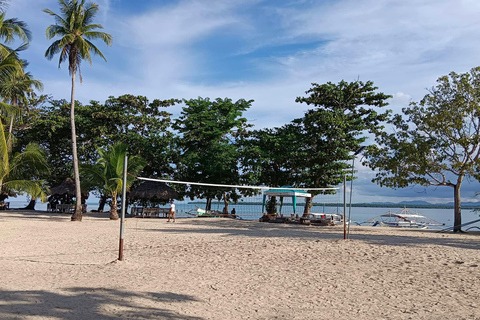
286, 191
150, 190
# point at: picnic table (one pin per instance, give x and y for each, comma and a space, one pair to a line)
62, 207
150, 212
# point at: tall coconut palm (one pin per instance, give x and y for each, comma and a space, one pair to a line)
107, 174
16, 90
17, 172
75, 28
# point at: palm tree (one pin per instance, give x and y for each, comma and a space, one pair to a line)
75, 29
17, 171
16, 90
10, 30
107, 174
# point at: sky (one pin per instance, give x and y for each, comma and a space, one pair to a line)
269, 51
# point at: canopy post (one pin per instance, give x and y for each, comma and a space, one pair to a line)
294, 200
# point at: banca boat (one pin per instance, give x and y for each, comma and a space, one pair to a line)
405, 218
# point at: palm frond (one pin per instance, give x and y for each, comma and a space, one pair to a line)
34, 188
105, 37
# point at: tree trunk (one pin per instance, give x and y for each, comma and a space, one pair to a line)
114, 208
308, 206
209, 204
102, 202
77, 215
225, 201
457, 225
31, 204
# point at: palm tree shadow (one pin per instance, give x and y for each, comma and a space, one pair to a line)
91, 303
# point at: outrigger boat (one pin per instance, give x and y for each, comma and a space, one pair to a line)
405, 218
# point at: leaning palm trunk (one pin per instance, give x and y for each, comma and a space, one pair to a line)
10, 129
10, 133
77, 215
113, 208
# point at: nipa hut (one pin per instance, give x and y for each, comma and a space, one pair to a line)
152, 190
66, 189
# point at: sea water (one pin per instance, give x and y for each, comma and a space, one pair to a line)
254, 212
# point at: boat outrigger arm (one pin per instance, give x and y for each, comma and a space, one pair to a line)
462, 225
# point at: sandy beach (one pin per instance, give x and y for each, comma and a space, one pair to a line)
230, 269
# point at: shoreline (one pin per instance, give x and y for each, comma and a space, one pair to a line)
232, 269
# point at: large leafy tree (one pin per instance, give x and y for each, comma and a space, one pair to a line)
144, 126
267, 156
75, 28
209, 136
343, 114
107, 174
437, 140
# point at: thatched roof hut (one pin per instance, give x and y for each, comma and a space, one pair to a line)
151, 190
67, 187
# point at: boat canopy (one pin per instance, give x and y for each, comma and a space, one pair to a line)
286, 191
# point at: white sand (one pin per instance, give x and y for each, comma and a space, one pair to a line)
225, 269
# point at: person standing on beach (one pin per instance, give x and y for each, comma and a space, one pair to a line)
171, 213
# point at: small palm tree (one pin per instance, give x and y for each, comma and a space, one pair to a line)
75, 29
17, 171
107, 174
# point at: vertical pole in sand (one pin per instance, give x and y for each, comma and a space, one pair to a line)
345, 207
124, 203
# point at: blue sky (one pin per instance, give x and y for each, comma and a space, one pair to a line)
269, 51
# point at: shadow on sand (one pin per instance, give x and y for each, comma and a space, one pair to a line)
89, 303
51, 216
371, 235
245, 228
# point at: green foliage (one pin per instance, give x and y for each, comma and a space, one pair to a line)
268, 156
438, 139
209, 136
144, 126
335, 129
107, 174
75, 29
19, 172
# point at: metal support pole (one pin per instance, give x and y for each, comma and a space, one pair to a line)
345, 207
351, 188
351, 192
124, 203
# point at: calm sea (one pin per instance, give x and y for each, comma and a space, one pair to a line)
254, 212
